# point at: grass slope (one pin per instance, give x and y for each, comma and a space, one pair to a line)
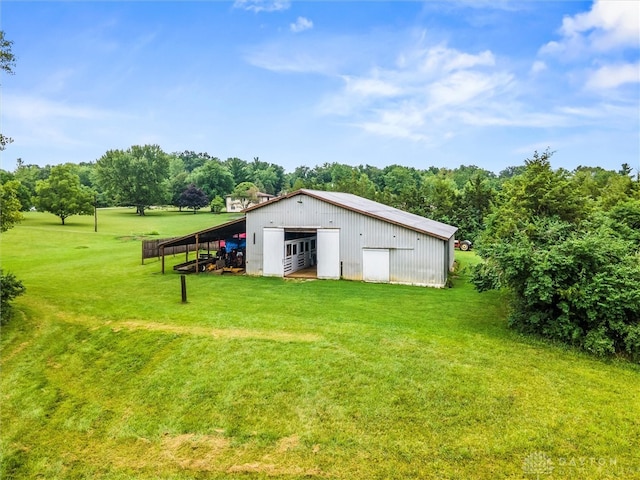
105, 374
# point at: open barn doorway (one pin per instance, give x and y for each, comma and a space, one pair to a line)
301, 252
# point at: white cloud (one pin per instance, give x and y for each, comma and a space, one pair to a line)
429, 93
407, 123
612, 76
506, 5
262, 5
517, 116
610, 24
308, 54
292, 62
538, 67
370, 87
600, 37
42, 121
301, 25
440, 58
423, 95
463, 88
35, 109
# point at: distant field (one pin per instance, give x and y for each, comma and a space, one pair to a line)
107, 375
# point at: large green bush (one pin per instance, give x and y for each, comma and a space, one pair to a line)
572, 267
576, 286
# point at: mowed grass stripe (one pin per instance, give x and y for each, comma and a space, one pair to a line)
108, 375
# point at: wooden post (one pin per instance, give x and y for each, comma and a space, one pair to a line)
162, 260
197, 255
95, 213
183, 284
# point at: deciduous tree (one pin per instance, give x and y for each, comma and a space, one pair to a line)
63, 195
213, 178
135, 177
194, 198
217, 204
246, 192
10, 206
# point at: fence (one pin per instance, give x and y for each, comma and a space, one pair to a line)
151, 249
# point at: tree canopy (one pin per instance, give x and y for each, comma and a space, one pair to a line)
213, 177
10, 206
246, 193
63, 195
194, 198
134, 177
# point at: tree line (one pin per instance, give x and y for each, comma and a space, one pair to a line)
142, 176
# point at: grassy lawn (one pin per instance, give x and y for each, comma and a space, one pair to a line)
106, 374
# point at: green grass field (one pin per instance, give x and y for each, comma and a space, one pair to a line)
107, 375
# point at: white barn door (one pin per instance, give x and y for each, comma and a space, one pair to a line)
328, 248
273, 252
375, 265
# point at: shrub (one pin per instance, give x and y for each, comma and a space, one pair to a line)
572, 285
10, 288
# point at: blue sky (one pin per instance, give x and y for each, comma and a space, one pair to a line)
417, 83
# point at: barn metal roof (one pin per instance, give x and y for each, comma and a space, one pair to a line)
375, 210
219, 232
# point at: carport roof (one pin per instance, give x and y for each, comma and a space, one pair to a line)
219, 232
375, 210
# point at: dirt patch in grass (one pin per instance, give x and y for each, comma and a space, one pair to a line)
194, 452
189, 452
288, 443
197, 453
275, 471
131, 238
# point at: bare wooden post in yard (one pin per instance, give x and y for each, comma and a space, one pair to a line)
183, 284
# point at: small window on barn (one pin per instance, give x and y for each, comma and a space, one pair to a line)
313, 244
288, 250
295, 249
306, 246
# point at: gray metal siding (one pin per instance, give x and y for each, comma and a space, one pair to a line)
415, 258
